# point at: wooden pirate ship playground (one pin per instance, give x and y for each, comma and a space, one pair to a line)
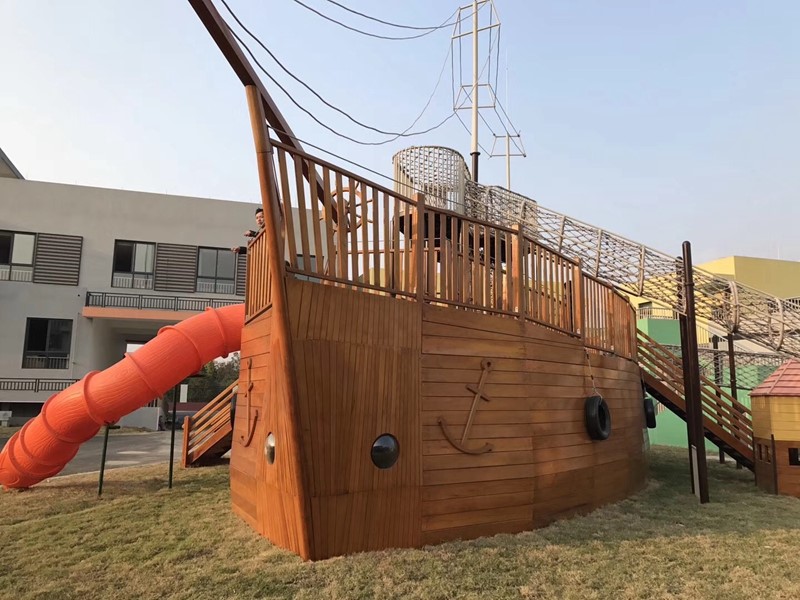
447, 360
433, 361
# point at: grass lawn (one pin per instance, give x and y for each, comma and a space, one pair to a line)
144, 541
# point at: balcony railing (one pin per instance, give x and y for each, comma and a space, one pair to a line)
34, 385
16, 273
136, 281
655, 312
44, 361
216, 286
150, 302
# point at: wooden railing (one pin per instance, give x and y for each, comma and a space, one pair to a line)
345, 230
258, 293
721, 411
208, 427
610, 319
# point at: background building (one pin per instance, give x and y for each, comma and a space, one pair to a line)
85, 271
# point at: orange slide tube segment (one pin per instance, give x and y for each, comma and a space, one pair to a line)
47, 443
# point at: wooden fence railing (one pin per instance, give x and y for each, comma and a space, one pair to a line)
208, 427
345, 230
721, 411
258, 291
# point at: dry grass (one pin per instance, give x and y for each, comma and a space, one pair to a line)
144, 541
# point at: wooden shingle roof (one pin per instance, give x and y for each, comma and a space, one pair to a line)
785, 381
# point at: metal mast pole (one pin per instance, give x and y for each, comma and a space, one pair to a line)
508, 161
474, 153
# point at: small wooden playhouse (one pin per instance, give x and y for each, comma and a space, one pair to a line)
776, 430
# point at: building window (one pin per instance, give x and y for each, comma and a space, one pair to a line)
47, 344
16, 256
794, 457
133, 265
216, 271
312, 259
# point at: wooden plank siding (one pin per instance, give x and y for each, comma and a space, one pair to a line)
357, 367
367, 364
266, 496
543, 465
384, 331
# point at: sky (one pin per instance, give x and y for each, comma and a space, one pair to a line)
659, 121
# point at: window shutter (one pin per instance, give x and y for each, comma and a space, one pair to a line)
176, 268
241, 274
57, 259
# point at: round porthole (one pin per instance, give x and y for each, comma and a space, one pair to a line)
385, 451
269, 448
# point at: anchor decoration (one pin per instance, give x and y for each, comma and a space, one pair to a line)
486, 366
251, 423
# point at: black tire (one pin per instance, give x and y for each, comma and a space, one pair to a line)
598, 418
649, 412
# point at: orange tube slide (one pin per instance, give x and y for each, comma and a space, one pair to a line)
47, 443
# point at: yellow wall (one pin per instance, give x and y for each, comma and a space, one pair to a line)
762, 423
779, 278
785, 416
778, 416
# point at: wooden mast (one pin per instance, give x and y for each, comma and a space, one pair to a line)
221, 34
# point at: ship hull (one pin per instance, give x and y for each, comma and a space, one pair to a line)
487, 411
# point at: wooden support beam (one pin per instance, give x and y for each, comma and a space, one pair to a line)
283, 360
221, 34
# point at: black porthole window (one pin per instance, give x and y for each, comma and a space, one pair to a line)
385, 451
269, 448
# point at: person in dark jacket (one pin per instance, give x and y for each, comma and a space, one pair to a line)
251, 233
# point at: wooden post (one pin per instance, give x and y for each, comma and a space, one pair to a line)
718, 382
419, 246
774, 464
691, 377
284, 358
732, 378
520, 287
580, 303
187, 431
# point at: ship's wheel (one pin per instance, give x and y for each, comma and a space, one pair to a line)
354, 203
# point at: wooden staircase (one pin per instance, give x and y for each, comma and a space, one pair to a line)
208, 434
726, 422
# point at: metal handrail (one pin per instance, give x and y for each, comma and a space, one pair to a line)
154, 302
23, 384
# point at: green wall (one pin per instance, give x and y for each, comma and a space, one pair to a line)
670, 429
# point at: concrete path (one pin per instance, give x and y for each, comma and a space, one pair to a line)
124, 450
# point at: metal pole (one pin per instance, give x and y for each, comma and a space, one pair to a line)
732, 376
508, 161
172, 440
732, 367
718, 381
474, 152
686, 395
103, 463
692, 378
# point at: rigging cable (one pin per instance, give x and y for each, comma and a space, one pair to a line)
446, 23
360, 14
316, 120
325, 102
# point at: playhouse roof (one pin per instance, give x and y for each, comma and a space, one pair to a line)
785, 381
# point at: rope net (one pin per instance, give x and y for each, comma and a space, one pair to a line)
442, 175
